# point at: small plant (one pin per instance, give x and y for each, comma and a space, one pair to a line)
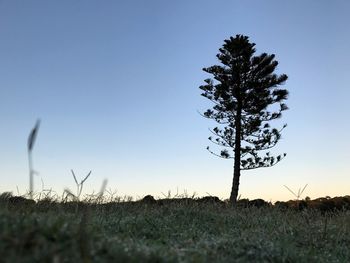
31, 141
79, 185
97, 198
300, 192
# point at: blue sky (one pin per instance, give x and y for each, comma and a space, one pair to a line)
115, 84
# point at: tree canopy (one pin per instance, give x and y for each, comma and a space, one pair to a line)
247, 96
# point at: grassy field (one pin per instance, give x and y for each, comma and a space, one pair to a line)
172, 232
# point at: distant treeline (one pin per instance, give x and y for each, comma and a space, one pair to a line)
323, 204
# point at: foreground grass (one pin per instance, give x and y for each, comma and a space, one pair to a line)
170, 233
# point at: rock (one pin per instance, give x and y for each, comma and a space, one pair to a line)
148, 199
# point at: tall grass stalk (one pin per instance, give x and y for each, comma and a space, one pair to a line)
31, 140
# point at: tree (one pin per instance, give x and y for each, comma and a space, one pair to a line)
246, 96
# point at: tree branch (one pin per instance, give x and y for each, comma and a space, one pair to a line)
230, 157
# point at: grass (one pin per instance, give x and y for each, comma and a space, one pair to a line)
173, 232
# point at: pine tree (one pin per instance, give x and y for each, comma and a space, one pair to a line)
246, 96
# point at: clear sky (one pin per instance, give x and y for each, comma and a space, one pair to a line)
115, 84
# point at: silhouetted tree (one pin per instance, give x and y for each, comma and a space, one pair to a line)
246, 96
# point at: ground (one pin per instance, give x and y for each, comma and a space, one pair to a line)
170, 232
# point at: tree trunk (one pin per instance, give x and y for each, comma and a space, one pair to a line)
237, 152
